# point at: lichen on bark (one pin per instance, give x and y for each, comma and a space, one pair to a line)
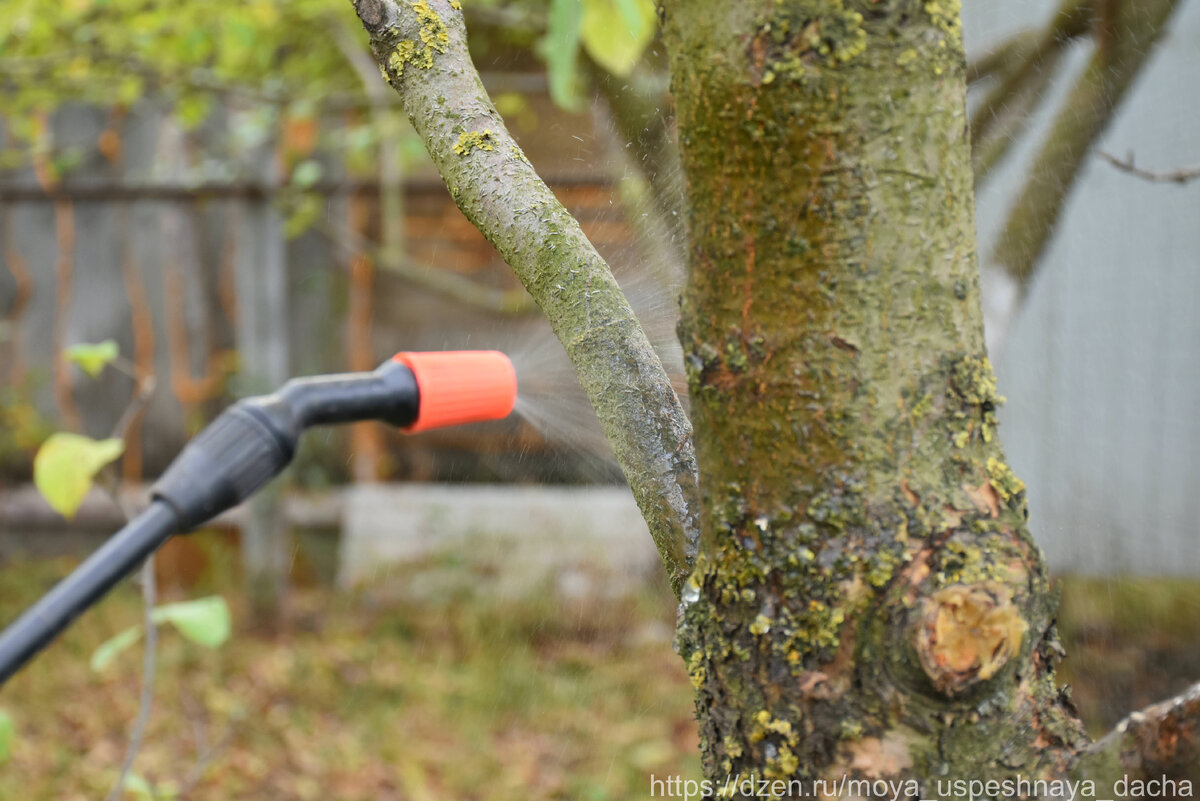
497, 188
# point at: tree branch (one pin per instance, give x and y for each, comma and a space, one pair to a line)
1010, 122
1126, 36
422, 49
639, 112
1155, 741
1031, 61
1178, 176
1071, 20
459, 288
1003, 58
149, 594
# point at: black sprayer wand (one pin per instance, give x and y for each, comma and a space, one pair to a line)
250, 443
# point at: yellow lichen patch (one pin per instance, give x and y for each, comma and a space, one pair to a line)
812, 33
457, 6
433, 30
474, 140
850, 39
967, 633
518, 154
946, 15
974, 382
764, 724
403, 53
966, 564
433, 36
696, 670
733, 746
784, 765
1003, 480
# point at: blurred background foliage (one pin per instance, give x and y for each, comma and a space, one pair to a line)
291, 61
279, 99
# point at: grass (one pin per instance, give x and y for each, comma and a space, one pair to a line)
451, 691
366, 696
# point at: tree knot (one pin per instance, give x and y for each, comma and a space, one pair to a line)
966, 634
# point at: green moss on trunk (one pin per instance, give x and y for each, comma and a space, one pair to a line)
868, 599
421, 47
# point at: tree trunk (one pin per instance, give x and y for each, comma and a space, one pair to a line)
868, 600
867, 603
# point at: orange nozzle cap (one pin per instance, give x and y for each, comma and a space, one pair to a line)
461, 386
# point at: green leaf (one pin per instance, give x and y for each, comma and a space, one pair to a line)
141, 789
193, 109
130, 89
8, 736
65, 466
616, 32
305, 211
93, 358
204, 620
307, 173
510, 104
560, 48
109, 649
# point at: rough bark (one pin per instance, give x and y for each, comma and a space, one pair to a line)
868, 600
421, 47
1161, 741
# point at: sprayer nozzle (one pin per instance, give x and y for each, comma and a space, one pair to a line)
465, 386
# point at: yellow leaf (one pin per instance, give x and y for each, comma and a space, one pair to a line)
65, 466
92, 358
616, 32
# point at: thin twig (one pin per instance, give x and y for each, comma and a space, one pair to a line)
203, 761
1181, 175
144, 388
149, 599
1003, 58
514, 302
